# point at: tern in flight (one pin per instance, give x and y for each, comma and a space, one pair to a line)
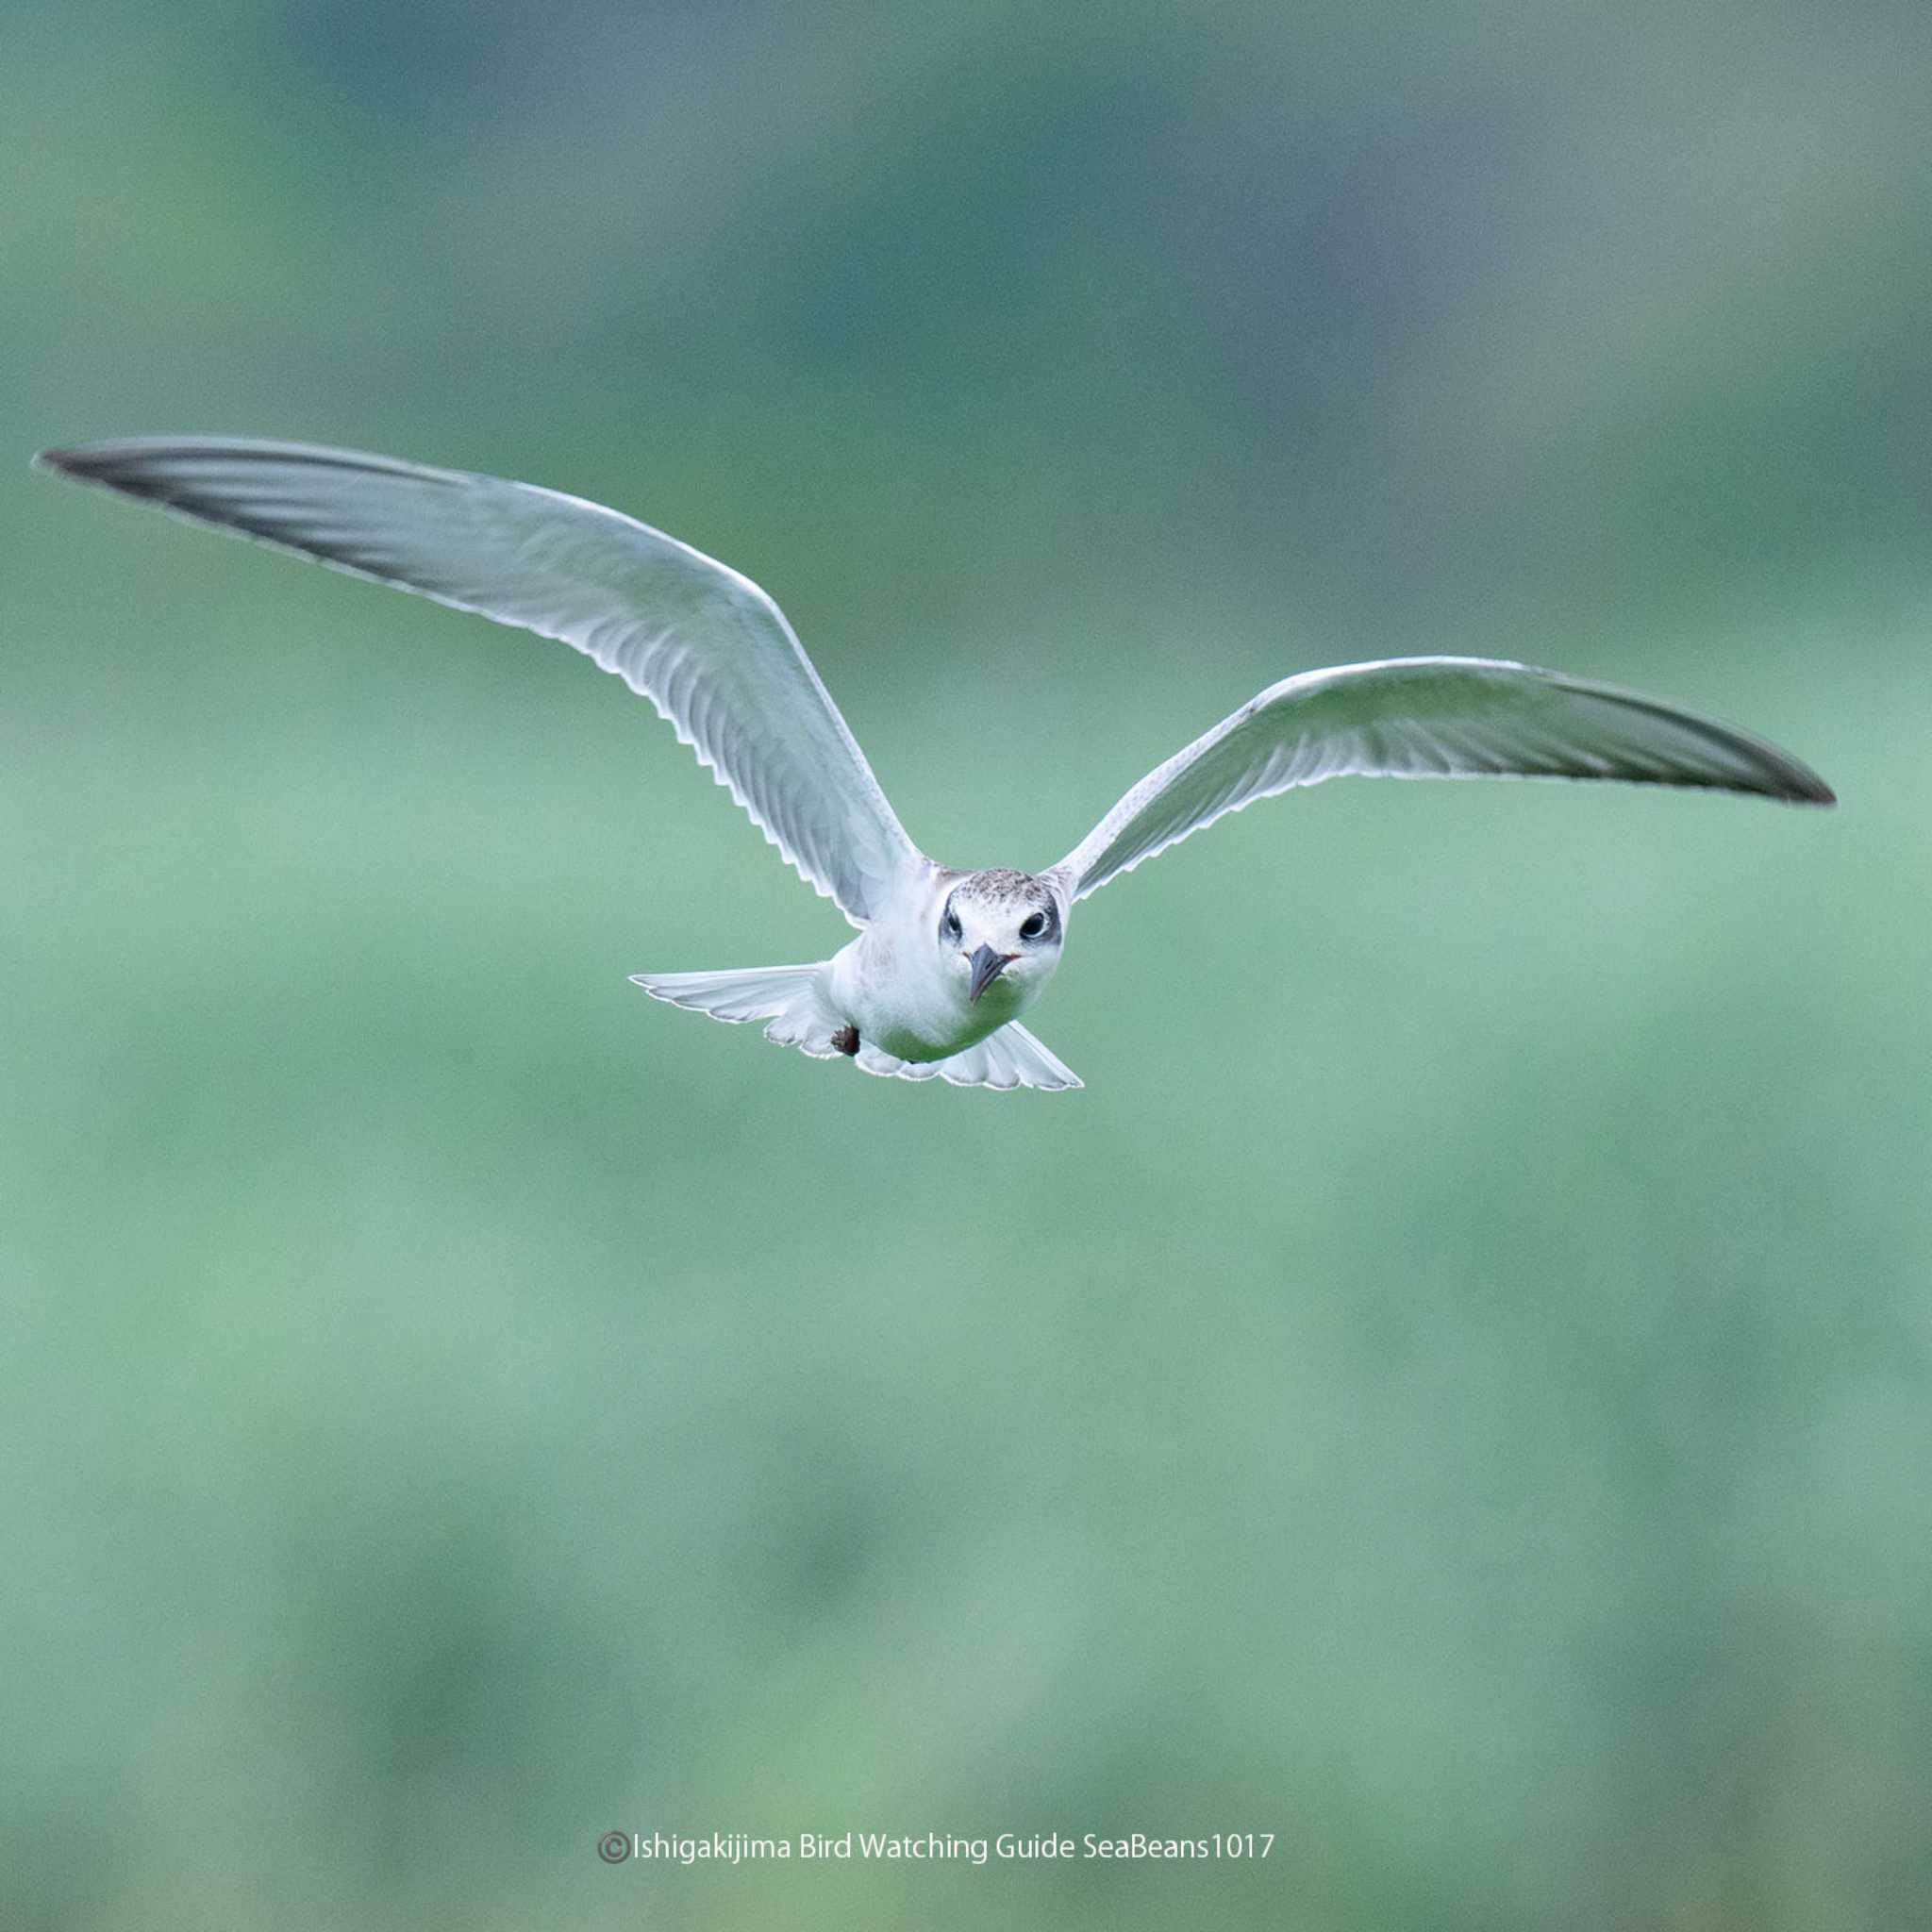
945, 960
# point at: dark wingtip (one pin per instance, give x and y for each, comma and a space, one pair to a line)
125, 467
86, 462
1807, 788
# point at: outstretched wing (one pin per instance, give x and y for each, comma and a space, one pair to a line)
1426, 718
707, 646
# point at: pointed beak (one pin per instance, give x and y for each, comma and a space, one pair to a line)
987, 967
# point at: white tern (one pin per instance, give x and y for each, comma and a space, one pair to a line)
945, 960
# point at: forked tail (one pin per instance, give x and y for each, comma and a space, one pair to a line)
792, 999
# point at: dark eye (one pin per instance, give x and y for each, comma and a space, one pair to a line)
1033, 926
949, 925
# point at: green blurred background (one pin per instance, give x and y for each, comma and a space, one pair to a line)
1452, 1390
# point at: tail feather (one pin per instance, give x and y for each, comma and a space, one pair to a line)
792, 1000
1010, 1058
1030, 1061
789, 996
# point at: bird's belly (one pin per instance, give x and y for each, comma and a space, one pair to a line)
934, 1028
914, 1037
911, 1015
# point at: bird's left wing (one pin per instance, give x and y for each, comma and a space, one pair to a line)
1426, 718
707, 646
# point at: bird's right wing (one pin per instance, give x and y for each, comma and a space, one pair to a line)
1426, 718
707, 646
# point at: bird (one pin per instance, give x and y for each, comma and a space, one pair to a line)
946, 960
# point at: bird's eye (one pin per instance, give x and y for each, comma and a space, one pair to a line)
949, 925
1033, 926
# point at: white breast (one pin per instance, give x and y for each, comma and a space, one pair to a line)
891, 983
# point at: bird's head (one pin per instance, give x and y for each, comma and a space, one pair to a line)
999, 934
